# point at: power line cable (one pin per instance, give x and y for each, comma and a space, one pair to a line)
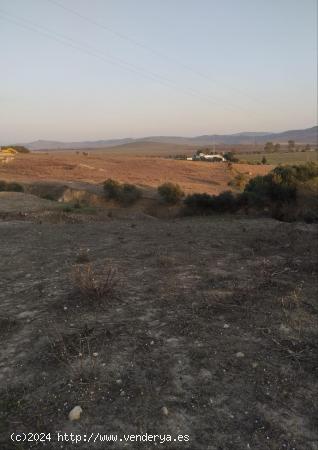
109, 59
151, 50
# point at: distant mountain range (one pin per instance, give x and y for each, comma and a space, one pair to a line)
306, 136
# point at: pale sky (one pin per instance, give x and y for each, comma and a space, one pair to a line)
123, 68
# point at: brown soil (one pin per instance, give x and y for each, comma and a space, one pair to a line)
214, 319
149, 172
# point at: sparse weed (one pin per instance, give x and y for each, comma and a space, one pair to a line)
75, 352
98, 286
292, 308
294, 299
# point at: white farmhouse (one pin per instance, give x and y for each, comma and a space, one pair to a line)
212, 157
204, 157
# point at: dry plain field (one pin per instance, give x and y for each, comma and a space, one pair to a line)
144, 171
281, 157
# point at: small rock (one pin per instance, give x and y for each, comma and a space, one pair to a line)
226, 325
75, 413
95, 354
240, 355
254, 365
165, 411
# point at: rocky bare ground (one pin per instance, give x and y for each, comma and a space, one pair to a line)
211, 332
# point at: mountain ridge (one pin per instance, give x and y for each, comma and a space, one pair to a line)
303, 136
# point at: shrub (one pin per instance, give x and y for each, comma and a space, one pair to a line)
297, 173
288, 191
123, 193
229, 156
270, 188
239, 181
205, 203
170, 193
11, 186
225, 202
14, 187
199, 201
111, 189
129, 194
280, 185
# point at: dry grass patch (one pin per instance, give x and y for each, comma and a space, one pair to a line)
77, 354
97, 285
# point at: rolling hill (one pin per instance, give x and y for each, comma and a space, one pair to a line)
304, 136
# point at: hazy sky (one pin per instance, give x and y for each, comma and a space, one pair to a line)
184, 67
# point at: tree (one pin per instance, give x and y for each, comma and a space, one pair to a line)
269, 147
276, 147
17, 148
229, 156
291, 145
170, 193
264, 160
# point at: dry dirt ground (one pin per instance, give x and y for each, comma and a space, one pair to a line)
211, 332
150, 172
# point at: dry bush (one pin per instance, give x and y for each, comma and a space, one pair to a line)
96, 285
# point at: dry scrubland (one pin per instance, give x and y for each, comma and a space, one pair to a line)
205, 326
143, 171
